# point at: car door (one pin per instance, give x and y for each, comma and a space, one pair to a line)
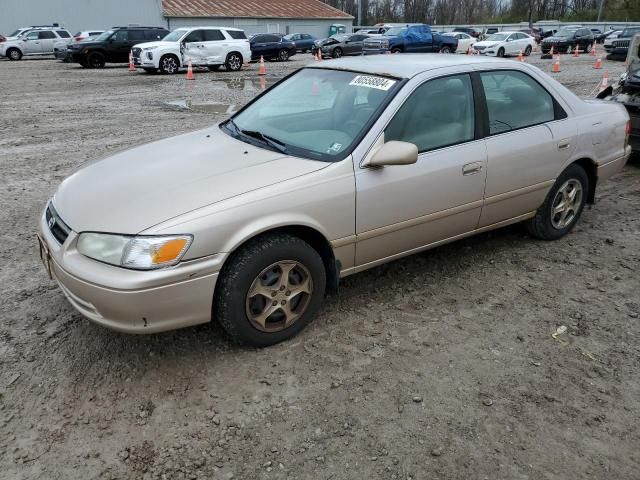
194, 49
259, 46
47, 39
118, 47
215, 46
353, 45
403, 208
31, 43
529, 140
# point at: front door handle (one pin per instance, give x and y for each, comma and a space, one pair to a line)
564, 144
471, 168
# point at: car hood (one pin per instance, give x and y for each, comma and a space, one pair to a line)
158, 43
138, 188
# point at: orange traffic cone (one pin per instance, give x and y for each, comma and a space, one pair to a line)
469, 52
598, 64
190, 71
605, 81
556, 65
593, 50
263, 70
132, 67
520, 57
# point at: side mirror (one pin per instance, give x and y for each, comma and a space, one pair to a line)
394, 153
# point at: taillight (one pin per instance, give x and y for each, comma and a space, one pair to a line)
627, 132
79, 39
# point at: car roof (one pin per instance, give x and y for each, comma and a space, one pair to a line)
406, 65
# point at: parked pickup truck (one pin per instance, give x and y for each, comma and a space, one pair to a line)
415, 37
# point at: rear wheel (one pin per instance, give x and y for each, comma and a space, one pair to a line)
169, 64
563, 205
337, 53
399, 50
233, 62
587, 49
444, 50
96, 60
269, 290
14, 54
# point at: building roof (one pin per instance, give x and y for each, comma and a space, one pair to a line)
252, 9
408, 65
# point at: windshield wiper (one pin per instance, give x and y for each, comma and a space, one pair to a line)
272, 142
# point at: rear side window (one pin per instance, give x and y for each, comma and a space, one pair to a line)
195, 36
213, 35
46, 35
135, 35
237, 34
438, 113
63, 34
515, 100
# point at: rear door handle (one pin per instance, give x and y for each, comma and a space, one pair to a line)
471, 168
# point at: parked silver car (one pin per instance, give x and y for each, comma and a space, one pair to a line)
340, 167
35, 42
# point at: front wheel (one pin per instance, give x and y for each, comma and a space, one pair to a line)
269, 290
283, 55
169, 64
587, 49
501, 52
96, 60
337, 53
233, 62
14, 54
527, 51
445, 50
563, 205
399, 50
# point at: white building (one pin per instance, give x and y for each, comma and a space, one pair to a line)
253, 16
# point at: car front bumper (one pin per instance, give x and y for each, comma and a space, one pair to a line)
131, 301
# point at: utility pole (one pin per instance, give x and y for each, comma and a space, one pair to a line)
531, 13
360, 12
600, 10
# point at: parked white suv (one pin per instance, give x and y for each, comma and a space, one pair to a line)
38, 41
204, 46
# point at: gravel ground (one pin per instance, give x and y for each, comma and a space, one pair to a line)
438, 366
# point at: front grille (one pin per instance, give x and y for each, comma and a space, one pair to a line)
135, 53
621, 43
374, 44
479, 47
58, 228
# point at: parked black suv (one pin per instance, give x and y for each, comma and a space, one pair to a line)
567, 38
113, 46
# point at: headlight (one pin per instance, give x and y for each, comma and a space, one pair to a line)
385, 43
138, 253
149, 48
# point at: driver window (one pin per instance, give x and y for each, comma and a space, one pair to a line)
438, 113
32, 36
121, 36
195, 36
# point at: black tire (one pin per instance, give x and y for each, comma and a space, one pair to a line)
169, 64
150, 70
283, 55
444, 49
214, 68
396, 50
96, 60
239, 273
541, 226
233, 63
527, 51
14, 54
337, 52
501, 52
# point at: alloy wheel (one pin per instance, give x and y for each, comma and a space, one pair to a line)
234, 62
169, 65
279, 296
566, 204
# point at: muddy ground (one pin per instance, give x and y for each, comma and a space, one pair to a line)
438, 366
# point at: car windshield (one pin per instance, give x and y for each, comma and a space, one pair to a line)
104, 36
565, 33
395, 31
630, 32
316, 113
174, 36
498, 37
15, 34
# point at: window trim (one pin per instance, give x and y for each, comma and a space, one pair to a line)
559, 113
477, 128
